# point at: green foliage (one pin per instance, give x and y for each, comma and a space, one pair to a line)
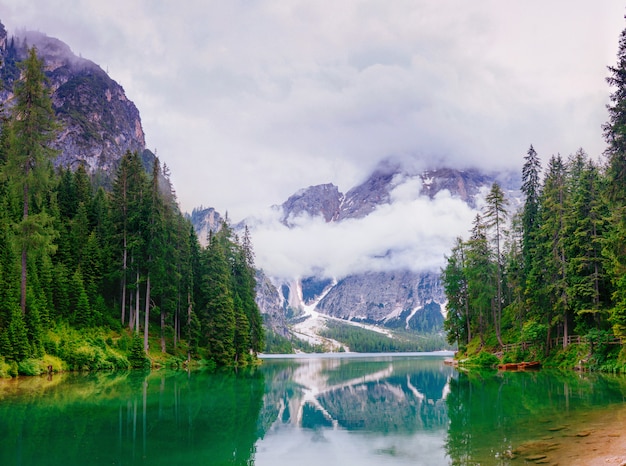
137, 356
29, 367
5, 369
534, 332
277, 344
484, 360
560, 270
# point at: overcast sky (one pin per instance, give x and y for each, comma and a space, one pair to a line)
248, 101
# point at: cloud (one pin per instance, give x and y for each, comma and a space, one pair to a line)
248, 101
411, 233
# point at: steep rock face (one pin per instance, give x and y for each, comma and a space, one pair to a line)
398, 299
362, 200
271, 304
99, 124
205, 221
462, 184
323, 200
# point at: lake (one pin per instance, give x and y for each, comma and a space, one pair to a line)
314, 410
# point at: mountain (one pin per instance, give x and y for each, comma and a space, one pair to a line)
99, 124
205, 221
397, 299
385, 292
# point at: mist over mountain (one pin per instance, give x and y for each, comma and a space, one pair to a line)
371, 255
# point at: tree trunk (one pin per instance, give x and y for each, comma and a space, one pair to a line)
163, 348
146, 321
137, 305
131, 314
24, 256
124, 266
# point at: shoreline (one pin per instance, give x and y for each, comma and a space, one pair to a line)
594, 439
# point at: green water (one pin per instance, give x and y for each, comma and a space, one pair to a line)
380, 410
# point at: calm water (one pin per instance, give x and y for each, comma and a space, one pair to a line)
316, 411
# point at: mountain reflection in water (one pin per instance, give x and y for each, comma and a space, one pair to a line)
355, 411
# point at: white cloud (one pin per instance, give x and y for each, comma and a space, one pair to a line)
412, 233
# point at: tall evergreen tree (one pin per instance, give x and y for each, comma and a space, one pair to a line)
531, 188
480, 273
615, 136
32, 129
495, 215
458, 323
553, 233
127, 215
218, 317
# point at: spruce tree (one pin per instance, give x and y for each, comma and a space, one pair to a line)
553, 232
586, 227
495, 215
218, 315
32, 129
458, 324
480, 276
531, 188
615, 136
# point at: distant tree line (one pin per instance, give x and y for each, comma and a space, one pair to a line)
557, 265
128, 261
361, 340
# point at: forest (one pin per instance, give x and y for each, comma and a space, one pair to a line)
109, 279
547, 280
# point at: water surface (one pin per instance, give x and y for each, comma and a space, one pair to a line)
374, 410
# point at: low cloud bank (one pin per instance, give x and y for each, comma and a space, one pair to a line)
413, 233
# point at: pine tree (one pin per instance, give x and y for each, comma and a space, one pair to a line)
127, 214
531, 188
480, 276
458, 325
615, 136
32, 129
585, 231
495, 215
218, 316
554, 206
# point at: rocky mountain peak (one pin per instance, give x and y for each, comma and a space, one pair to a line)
464, 184
205, 221
363, 199
322, 200
99, 123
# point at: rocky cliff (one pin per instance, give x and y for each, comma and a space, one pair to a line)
98, 122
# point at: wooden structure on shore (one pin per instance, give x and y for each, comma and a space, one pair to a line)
520, 366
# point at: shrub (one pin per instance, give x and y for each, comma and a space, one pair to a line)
483, 360
117, 360
29, 367
5, 369
137, 356
55, 362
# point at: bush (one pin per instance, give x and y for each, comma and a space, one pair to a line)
55, 362
137, 356
117, 360
29, 367
483, 360
5, 369
534, 332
